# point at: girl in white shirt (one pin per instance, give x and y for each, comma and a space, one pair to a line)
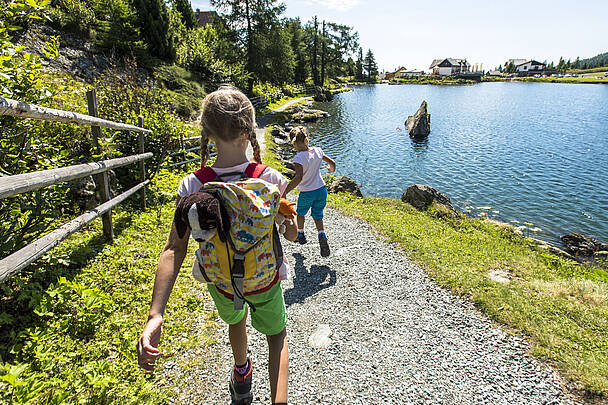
310, 184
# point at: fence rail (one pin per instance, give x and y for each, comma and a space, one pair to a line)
26, 110
22, 183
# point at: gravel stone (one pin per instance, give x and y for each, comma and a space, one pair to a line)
396, 337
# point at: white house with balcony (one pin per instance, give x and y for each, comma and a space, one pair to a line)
530, 66
449, 66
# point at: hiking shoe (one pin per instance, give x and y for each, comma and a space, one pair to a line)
240, 387
324, 246
301, 238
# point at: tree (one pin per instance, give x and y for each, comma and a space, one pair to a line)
298, 48
340, 42
153, 21
250, 20
185, 9
359, 66
370, 65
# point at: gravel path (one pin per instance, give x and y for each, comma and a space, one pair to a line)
396, 337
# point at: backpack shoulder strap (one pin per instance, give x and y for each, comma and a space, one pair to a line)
205, 175
255, 170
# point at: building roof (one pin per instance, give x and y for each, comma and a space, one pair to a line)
515, 62
532, 62
450, 62
205, 17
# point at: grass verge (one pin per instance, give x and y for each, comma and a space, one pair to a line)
71, 321
560, 304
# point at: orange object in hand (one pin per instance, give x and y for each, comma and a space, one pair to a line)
287, 209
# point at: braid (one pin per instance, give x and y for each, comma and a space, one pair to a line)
256, 147
204, 149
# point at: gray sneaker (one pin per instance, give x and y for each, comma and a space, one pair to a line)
324, 246
240, 387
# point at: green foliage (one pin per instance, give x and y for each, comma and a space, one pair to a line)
111, 23
153, 21
184, 89
187, 14
122, 98
370, 66
200, 52
70, 323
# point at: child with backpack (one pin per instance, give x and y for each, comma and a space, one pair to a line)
231, 209
308, 180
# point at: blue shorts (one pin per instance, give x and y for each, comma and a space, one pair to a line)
314, 201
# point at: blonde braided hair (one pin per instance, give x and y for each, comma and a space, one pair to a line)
227, 114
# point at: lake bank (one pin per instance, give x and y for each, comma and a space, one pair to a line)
561, 305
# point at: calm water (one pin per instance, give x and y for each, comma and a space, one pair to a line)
533, 152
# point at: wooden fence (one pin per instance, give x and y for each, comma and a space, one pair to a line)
22, 183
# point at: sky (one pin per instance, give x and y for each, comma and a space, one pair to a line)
412, 33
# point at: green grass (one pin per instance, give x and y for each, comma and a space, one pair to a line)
277, 104
580, 79
561, 305
71, 320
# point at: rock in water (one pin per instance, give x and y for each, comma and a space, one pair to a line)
344, 184
419, 124
322, 95
581, 245
421, 196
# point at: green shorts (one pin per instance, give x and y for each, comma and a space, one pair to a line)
270, 316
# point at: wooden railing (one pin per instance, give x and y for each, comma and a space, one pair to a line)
22, 183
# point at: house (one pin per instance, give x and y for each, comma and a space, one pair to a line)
449, 66
206, 17
530, 66
411, 73
515, 62
397, 73
496, 73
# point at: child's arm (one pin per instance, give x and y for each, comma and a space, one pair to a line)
170, 261
330, 162
296, 179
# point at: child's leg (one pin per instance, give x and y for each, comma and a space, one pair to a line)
237, 334
319, 224
278, 366
300, 221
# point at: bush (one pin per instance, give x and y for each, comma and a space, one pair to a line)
186, 93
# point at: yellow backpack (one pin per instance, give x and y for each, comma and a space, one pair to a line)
249, 261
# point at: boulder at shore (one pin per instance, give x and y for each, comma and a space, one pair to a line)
421, 196
419, 124
581, 245
344, 184
322, 95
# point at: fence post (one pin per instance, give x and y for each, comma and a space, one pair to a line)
142, 165
103, 181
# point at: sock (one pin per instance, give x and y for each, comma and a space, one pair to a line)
244, 369
322, 233
300, 230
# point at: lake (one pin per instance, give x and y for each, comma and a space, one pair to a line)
527, 152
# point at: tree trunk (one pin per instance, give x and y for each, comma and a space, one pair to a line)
249, 48
323, 42
315, 71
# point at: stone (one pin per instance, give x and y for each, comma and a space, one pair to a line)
419, 124
320, 337
420, 196
344, 184
322, 95
83, 192
308, 115
580, 245
278, 132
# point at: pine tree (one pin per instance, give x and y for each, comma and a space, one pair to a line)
359, 66
185, 9
299, 50
153, 21
370, 65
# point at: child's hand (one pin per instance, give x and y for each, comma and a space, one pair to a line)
331, 168
147, 352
